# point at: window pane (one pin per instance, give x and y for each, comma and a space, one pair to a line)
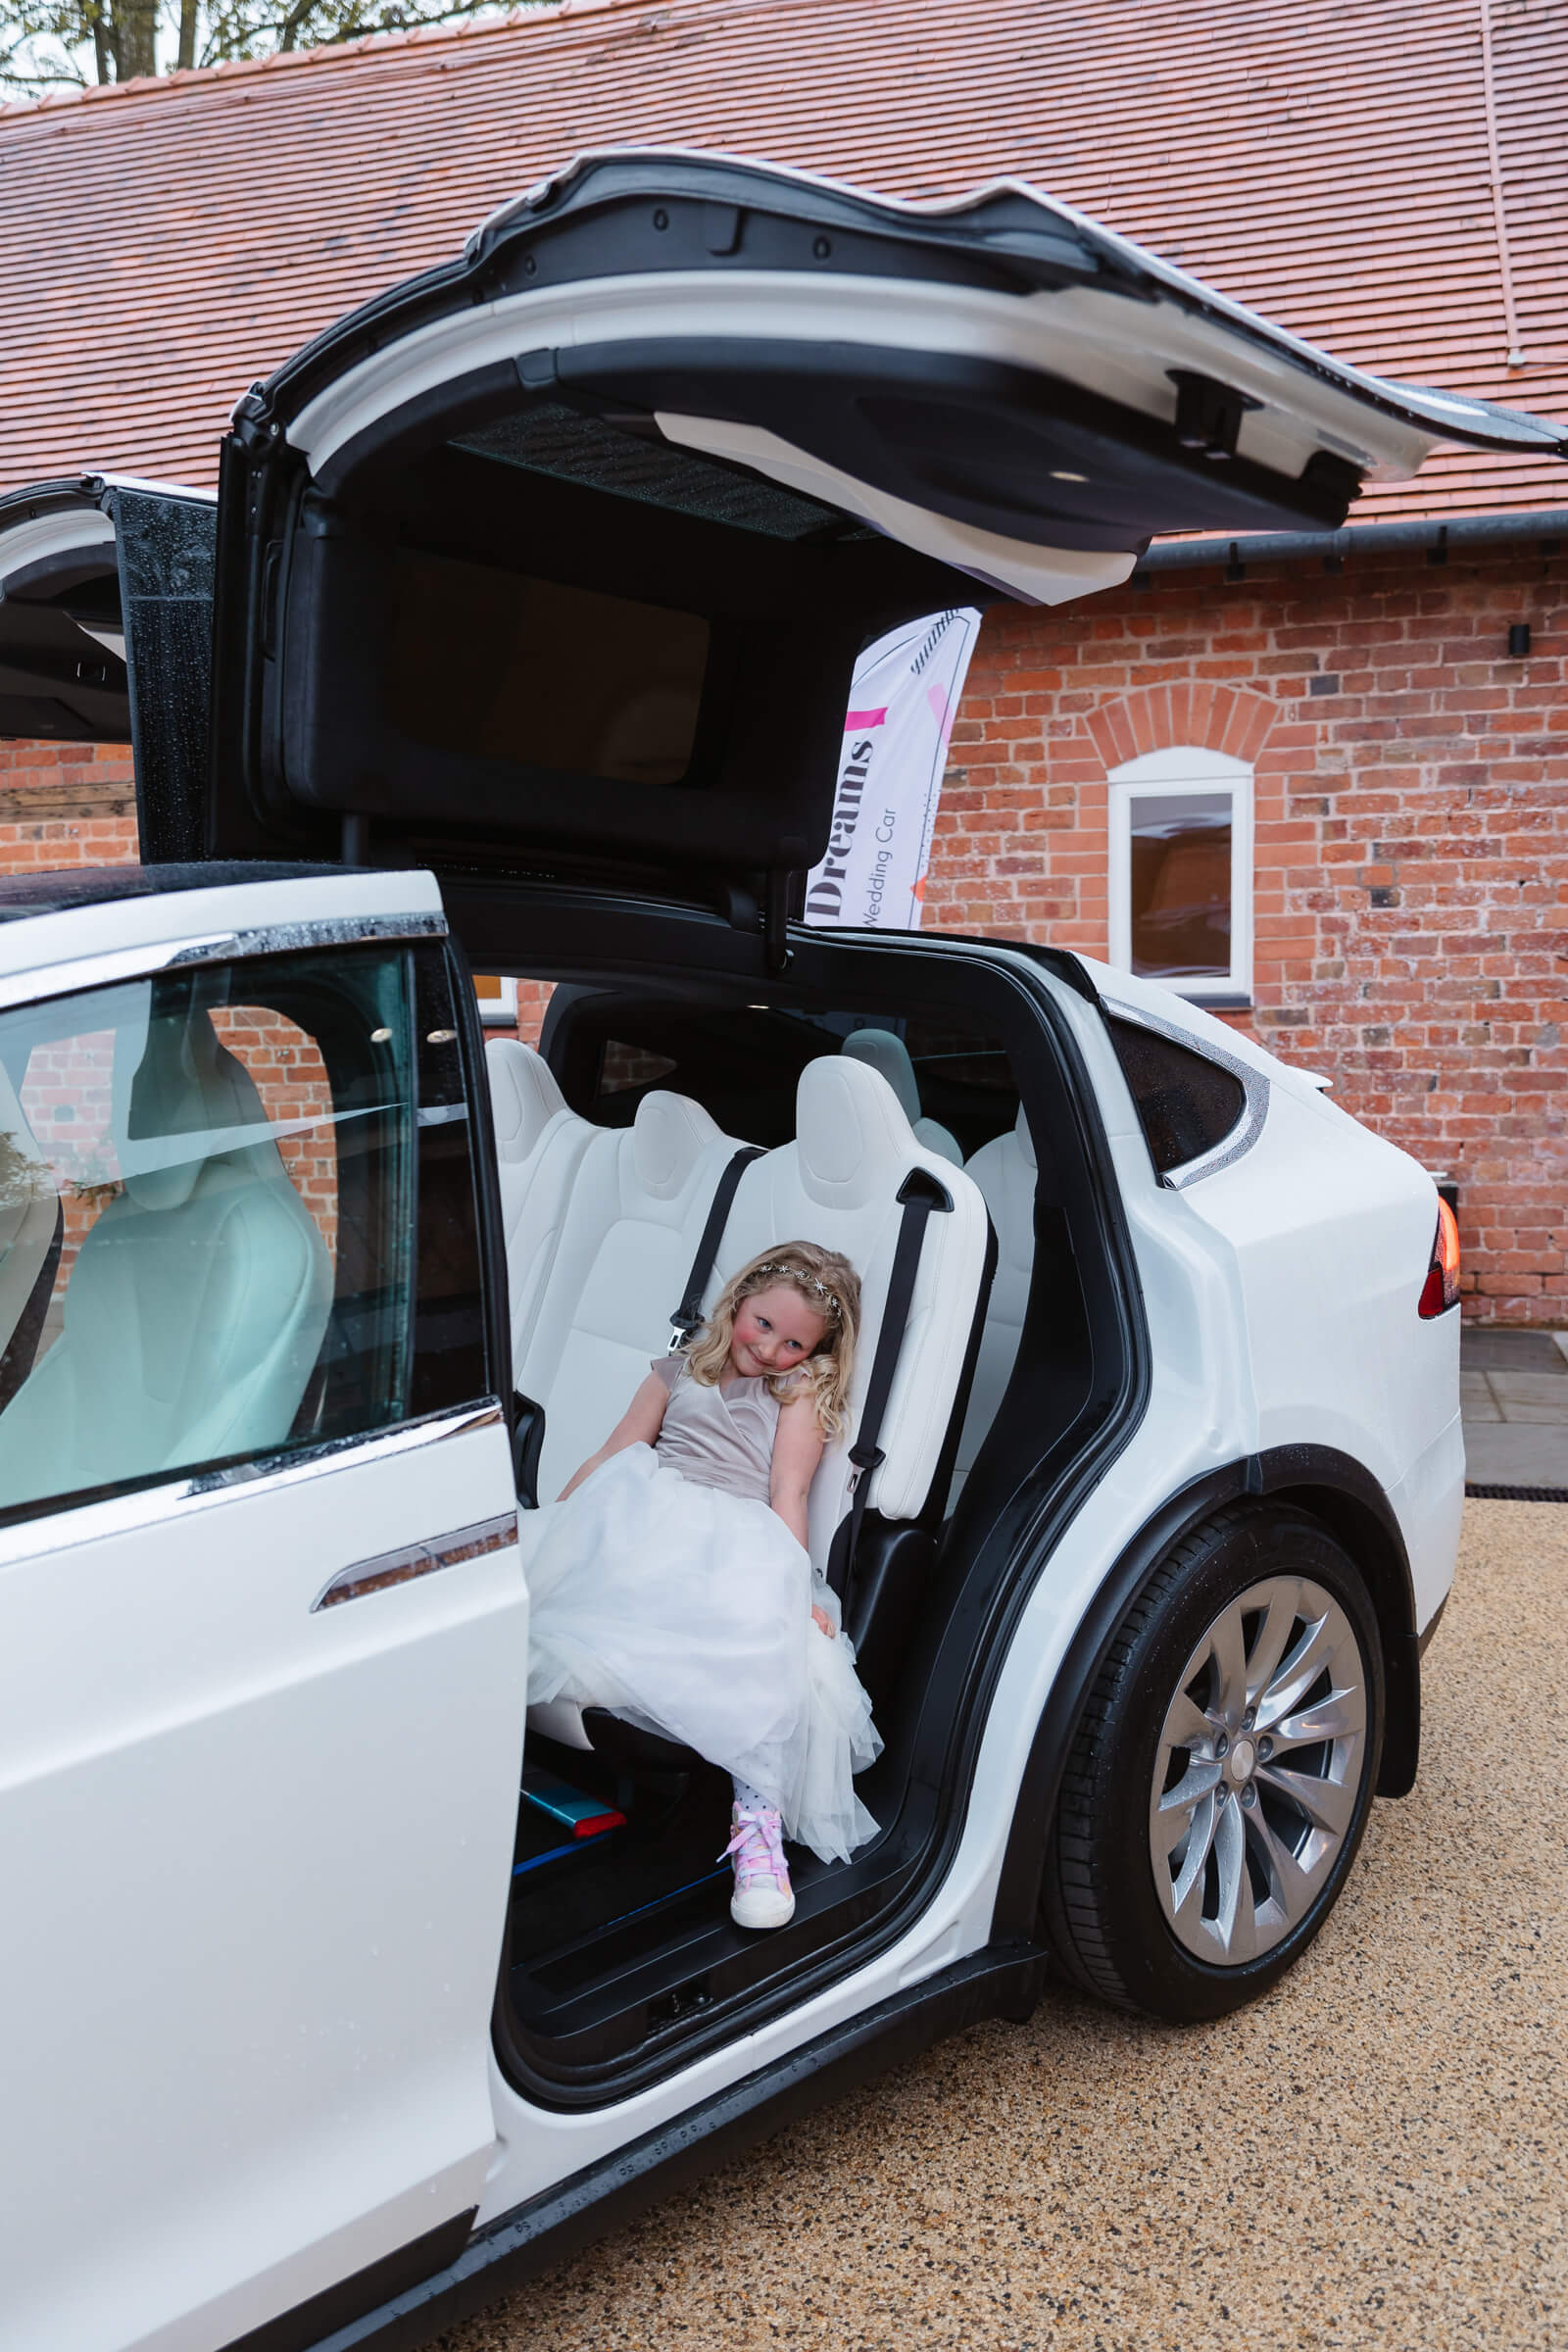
1181, 884
624, 1066
215, 1212
1187, 1103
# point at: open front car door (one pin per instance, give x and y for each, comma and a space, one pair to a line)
263, 1632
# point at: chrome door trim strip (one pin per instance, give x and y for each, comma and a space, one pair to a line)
386, 1569
66, 1528
102, 970
1255, 1086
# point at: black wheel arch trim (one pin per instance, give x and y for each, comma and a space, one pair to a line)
1352, 1506
1000, 1980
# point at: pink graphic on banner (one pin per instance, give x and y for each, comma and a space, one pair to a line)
941, 711
863, 718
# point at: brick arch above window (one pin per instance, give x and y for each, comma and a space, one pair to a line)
1211, 717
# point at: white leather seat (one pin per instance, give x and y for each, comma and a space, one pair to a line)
1005, 1172
838, 1184
888, 1055
29, 1217
195, 1312
638, 1202
539, 1147
630, 1219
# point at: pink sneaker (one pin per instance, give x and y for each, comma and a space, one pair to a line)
764, 1897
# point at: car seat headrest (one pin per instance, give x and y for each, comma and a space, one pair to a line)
175, 1106
853, 1139
669, 1135
523, 1096
890, 1056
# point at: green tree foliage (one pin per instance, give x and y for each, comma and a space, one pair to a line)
64, 44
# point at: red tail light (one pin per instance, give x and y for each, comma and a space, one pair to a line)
1440, 1288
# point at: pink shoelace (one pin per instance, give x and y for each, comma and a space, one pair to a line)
758, 1848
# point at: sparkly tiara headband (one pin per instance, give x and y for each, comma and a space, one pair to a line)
805, 1282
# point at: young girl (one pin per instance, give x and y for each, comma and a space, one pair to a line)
671, 1583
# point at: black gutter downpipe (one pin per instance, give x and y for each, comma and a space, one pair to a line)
1367, 538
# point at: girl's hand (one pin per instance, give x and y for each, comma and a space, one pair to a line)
823, 1621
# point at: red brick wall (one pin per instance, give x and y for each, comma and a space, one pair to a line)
1411, 840
66, 804
1411, 843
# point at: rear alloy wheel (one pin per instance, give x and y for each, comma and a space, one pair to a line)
1222, 1770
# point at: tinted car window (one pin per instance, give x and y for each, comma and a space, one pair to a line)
1186, 1103
743, 1064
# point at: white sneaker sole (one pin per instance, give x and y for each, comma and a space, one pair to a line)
760, 1907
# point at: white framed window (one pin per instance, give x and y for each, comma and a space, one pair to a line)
498, 998
1181, 872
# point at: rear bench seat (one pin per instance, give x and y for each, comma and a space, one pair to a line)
602, 1226
639, 1201
631, 1230
838, 1184
539, 1147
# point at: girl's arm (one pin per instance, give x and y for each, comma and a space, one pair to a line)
639, 1425
797, 1450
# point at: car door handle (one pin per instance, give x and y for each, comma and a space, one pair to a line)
389, 1568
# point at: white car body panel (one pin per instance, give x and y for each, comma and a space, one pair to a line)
38, 538
1331, 1229
257, 1852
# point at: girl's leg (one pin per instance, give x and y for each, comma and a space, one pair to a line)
763, 1896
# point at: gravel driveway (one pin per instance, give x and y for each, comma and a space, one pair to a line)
1375, 2155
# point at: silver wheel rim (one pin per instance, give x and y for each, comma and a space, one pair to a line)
1259, 1770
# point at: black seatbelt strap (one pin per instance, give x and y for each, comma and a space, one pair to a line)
919, 1196
688, 1316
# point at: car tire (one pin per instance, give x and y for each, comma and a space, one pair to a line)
1202, 1835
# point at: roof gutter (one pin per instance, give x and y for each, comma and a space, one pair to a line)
1435, 539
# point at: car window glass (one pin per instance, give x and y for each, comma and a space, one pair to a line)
237, 1217
625, 1065
743, 1063
1186, 1103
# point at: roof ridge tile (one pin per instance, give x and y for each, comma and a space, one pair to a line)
525, 14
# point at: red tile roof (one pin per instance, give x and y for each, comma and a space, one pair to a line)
162, 243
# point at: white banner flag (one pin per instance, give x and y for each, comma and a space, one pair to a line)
902, 707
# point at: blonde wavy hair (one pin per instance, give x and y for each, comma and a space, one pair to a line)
830, 1288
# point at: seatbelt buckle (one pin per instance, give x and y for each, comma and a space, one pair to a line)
865, 1458
684, 1332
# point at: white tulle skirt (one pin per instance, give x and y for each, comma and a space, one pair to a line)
688, 1611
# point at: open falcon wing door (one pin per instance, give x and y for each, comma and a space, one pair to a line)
106, 602
62, 638
558, 557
